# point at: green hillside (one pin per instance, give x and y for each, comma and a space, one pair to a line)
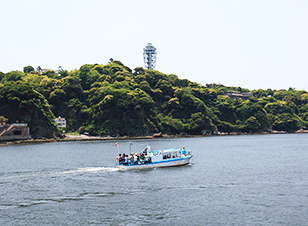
114, 100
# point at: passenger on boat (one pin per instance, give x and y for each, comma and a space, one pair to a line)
118, 157
183, 151
135, 159
145, 151
147, 159
141, 156
131, 158
122, 158
126, 160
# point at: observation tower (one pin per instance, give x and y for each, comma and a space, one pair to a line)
149, 56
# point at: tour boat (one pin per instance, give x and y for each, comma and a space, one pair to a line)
154, 159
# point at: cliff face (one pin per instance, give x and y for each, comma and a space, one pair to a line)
46, 132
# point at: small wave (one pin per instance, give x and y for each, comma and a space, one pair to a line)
18, 175
89, 169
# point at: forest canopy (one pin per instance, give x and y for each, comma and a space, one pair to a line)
114, 100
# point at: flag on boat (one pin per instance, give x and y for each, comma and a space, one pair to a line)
117, 144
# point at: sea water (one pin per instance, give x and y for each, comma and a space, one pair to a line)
233, 180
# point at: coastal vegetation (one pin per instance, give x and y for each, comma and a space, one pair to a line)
114, 100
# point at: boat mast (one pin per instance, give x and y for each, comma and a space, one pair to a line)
130, 148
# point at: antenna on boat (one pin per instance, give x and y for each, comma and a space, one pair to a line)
130, 148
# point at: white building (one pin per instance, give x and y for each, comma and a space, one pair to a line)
149, 57
61, 122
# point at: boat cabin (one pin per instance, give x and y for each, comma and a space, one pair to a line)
161, 155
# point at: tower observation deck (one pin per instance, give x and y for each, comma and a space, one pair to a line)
149, 56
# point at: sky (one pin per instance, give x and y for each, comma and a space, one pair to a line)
254, 44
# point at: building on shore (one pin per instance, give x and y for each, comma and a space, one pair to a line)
61, 123
15, 131
238, 96
149, 57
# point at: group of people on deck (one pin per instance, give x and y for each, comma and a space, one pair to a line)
134, 159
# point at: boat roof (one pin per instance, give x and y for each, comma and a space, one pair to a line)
166, 150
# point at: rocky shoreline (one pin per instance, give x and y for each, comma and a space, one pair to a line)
162, 136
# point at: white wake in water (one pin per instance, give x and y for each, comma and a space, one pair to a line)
90, 169
79, 170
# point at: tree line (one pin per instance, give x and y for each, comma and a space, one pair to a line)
114, 100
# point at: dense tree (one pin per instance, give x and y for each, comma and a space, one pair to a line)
1, 75
286, 122
3, 120
28, 69
20, 102
13, 76
51, 74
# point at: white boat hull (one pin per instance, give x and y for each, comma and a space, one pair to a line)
165, 163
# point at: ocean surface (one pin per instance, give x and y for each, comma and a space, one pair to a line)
233, 180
